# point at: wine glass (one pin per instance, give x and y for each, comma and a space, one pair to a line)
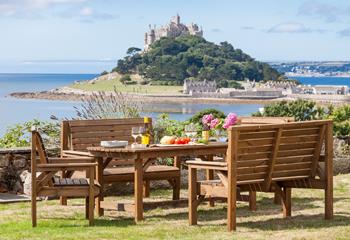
135, 132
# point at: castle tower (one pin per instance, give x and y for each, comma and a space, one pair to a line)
176, 19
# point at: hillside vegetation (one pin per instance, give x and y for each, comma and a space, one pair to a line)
170, 61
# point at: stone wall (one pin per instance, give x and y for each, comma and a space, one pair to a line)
13, 162
14, 168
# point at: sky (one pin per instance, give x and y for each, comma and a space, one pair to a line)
88, 36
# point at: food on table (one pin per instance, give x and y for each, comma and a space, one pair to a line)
168, 140
203, 141
175, 140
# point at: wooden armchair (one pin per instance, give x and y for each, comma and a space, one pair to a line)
269, 158
46, 183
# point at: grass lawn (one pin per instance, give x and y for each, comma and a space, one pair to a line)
108, 85
67, 222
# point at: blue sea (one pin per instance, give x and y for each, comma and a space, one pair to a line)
324, 80
14, 110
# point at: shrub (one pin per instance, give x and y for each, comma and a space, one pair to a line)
125, 78
131, 83
341, 119
165, 126
103, 105
104, 73
301, 110
197, 118
19, 134
144, 82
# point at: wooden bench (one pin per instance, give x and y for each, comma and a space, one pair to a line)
77, 135
269, 158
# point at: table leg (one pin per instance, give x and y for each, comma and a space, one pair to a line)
99, 177
210, 176
138, 187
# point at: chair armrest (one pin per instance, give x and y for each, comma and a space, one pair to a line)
215, 165
66, 166
66, 160
75, 153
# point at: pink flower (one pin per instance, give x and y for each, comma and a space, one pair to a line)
214, 123
230, 120
206, 119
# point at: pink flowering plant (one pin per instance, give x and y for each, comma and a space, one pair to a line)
230, 120
211, 123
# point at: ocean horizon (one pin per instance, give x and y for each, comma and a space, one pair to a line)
21, 110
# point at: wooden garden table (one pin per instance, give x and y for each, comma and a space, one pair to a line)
143, 157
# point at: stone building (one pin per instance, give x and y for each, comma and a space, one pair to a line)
173, 29
191, 87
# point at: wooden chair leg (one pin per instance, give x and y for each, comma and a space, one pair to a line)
176, 188
192, 196
287, 202
34, 210
146, 188
87, 208
252, 201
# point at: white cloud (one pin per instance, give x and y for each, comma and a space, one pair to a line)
293, 27
86, 11
36, 9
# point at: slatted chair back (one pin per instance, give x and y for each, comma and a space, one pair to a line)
38, 144
77, 135
38, 149
270, 153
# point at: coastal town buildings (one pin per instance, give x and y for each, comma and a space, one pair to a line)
326, 89
173, 29
191, 86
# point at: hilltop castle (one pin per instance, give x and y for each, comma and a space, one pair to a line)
173, 29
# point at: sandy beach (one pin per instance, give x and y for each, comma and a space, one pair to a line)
71, 94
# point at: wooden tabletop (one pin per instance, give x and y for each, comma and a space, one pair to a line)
129, 149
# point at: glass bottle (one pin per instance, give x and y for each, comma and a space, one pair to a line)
146, 136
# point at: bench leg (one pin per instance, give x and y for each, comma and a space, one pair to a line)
176, 188
328, 203
276, 199
287, 202
231, 205
146, 188
210, 176
252, 201
63, 201
99, 176
192, 196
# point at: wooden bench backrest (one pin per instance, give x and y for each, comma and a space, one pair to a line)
265, 120
79, 134
276, 152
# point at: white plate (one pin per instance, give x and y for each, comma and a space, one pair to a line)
114, 143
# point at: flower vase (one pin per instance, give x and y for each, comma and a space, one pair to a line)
205, 135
